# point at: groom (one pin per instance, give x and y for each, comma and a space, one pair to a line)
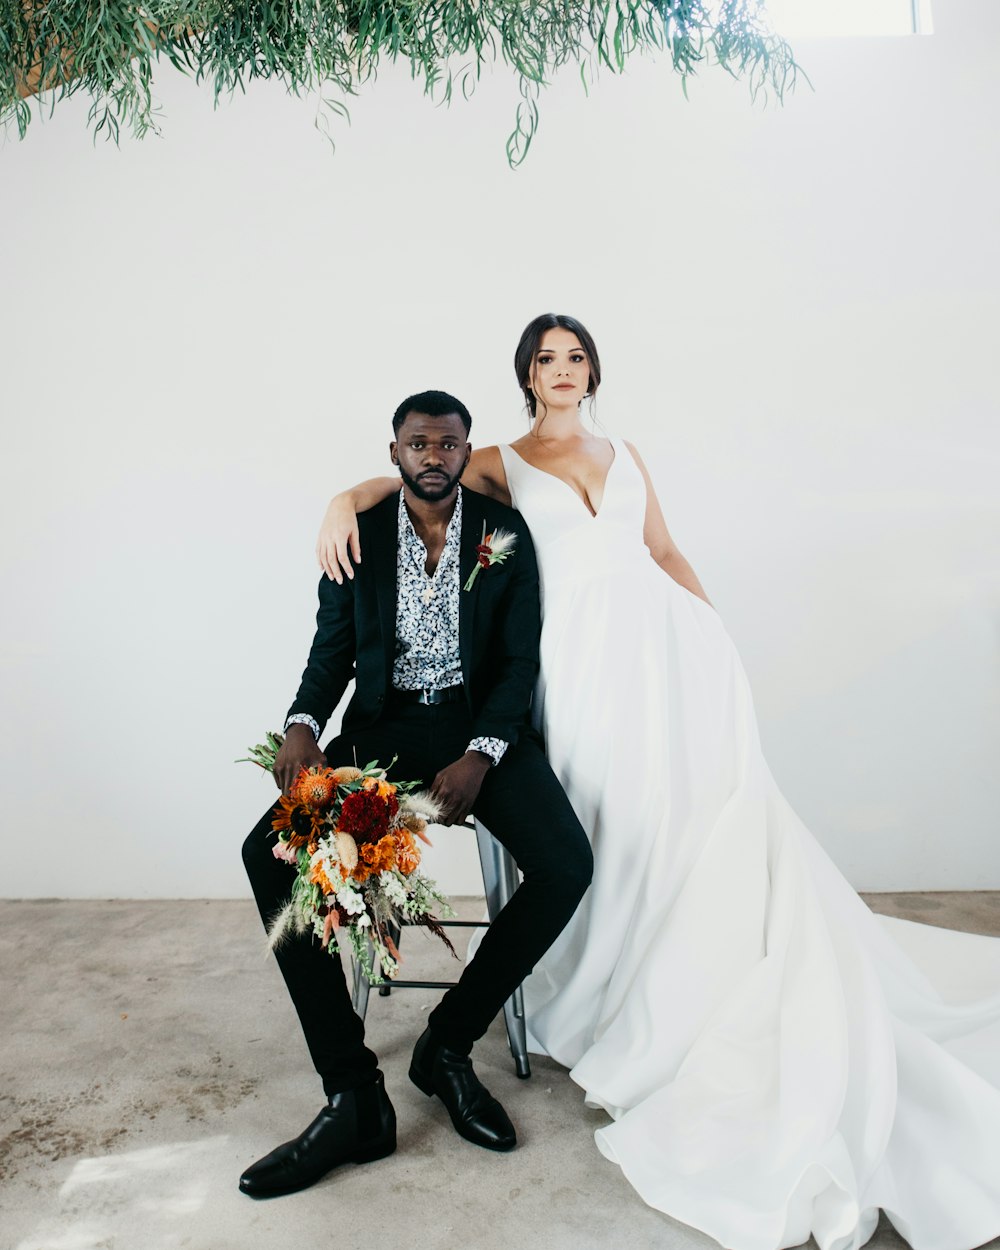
444, 677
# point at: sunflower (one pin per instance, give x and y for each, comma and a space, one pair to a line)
298, 822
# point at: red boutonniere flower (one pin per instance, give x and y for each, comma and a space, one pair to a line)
493, 549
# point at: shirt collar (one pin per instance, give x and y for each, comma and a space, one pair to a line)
410, 540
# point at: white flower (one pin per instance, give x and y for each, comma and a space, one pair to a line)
324, 858
392, 887
351, 901
363, 921
502, 543
422, 804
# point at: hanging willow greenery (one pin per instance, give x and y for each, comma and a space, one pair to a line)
107, 49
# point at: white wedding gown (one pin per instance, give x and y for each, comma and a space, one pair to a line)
778, 1061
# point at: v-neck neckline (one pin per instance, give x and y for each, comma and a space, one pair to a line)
586, 505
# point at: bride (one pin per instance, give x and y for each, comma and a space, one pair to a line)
776, 1060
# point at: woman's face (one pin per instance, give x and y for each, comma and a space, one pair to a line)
560, 372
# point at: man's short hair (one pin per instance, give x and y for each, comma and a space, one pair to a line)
433, 404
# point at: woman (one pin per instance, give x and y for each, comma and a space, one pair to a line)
776, 1064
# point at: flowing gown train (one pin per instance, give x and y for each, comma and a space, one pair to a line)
777, 1061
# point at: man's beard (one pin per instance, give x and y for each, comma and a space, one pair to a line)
441, 490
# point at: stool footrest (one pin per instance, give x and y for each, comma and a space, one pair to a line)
500, 882
417, 985
450, 924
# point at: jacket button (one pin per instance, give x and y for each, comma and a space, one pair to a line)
380, 698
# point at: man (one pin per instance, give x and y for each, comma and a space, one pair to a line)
444, 677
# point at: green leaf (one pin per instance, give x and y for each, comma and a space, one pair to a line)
109, 50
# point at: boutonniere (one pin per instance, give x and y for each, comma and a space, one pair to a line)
494, 549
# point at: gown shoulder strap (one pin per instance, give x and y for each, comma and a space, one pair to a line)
511, 463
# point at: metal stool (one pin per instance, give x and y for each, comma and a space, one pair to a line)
499, 883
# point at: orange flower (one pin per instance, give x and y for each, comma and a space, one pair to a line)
380, 855
407, 854
317, 875
345, 774
384, 788
296, 820
314, 788
393, 950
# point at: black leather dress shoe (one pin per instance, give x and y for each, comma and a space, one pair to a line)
475, 1113
356, 1126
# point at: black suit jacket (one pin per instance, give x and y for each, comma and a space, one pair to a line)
499, 626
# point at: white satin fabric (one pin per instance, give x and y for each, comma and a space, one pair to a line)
778, 1061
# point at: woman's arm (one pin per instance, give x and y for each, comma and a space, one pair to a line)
338, 547
657, 538
338, 542
485, 473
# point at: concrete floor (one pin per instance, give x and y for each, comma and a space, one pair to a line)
150, 1054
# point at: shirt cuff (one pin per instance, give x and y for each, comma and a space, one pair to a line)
302, 718
493, 747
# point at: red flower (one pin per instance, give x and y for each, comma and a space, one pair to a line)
365, 816
386, 790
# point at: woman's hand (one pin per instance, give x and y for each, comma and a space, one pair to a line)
339, 541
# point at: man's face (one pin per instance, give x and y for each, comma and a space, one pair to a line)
431, 453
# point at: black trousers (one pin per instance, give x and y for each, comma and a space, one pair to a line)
522, 804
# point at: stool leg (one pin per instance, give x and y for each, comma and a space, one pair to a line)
394, 932
499, 884
360, 988
489, 859
513, 1014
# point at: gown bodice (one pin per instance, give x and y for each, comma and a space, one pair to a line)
572, 544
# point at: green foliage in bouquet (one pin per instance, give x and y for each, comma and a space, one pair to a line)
351, 837
264, 753
107, 49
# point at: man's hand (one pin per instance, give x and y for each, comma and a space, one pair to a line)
457, 787
299, 750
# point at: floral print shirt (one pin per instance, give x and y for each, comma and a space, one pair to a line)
427, 651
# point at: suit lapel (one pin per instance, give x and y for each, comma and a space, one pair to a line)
472, 533
384, 547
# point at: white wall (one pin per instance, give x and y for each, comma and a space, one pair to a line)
796, 307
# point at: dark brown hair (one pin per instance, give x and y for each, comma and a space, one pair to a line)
528, 347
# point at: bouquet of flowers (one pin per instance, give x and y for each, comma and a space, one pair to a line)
352, 838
